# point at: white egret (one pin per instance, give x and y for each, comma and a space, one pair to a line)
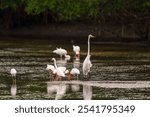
59, 71
87, 63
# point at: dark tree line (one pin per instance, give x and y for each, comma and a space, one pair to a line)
135, 13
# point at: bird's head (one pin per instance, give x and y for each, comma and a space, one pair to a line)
53, 59
91, 36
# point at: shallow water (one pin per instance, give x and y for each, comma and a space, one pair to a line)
119, 71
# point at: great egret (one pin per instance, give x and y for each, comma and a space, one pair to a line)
87, 63
59, 71
76, 49
60, 52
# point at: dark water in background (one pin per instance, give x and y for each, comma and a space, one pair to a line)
119, 71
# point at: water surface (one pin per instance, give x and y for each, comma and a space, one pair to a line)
119, 71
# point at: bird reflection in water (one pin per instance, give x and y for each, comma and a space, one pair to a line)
13, 89
59, 89
75, 87
76, 63
87, 92
62, 88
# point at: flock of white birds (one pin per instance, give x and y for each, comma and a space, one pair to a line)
62, 71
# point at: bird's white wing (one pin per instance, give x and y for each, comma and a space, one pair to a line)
86, 66
63, 69
60, 73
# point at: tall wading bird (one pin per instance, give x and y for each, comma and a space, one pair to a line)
87, 63
59, 70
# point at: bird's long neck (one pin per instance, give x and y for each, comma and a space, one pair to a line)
55, 64
88, 45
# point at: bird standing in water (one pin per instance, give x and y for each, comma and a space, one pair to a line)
76, 49
13, 73
59, 70
87, 62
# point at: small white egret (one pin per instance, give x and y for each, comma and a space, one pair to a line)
87, 63
59, 71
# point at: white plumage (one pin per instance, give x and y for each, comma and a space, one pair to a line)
75, 71
87, 63
13, 72
51, 67
67, 57
76, 48
60, 52
63, 69
59, 71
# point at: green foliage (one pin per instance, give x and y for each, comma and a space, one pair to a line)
39, 6
10, 4
64, 9
115, 6
146, 5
